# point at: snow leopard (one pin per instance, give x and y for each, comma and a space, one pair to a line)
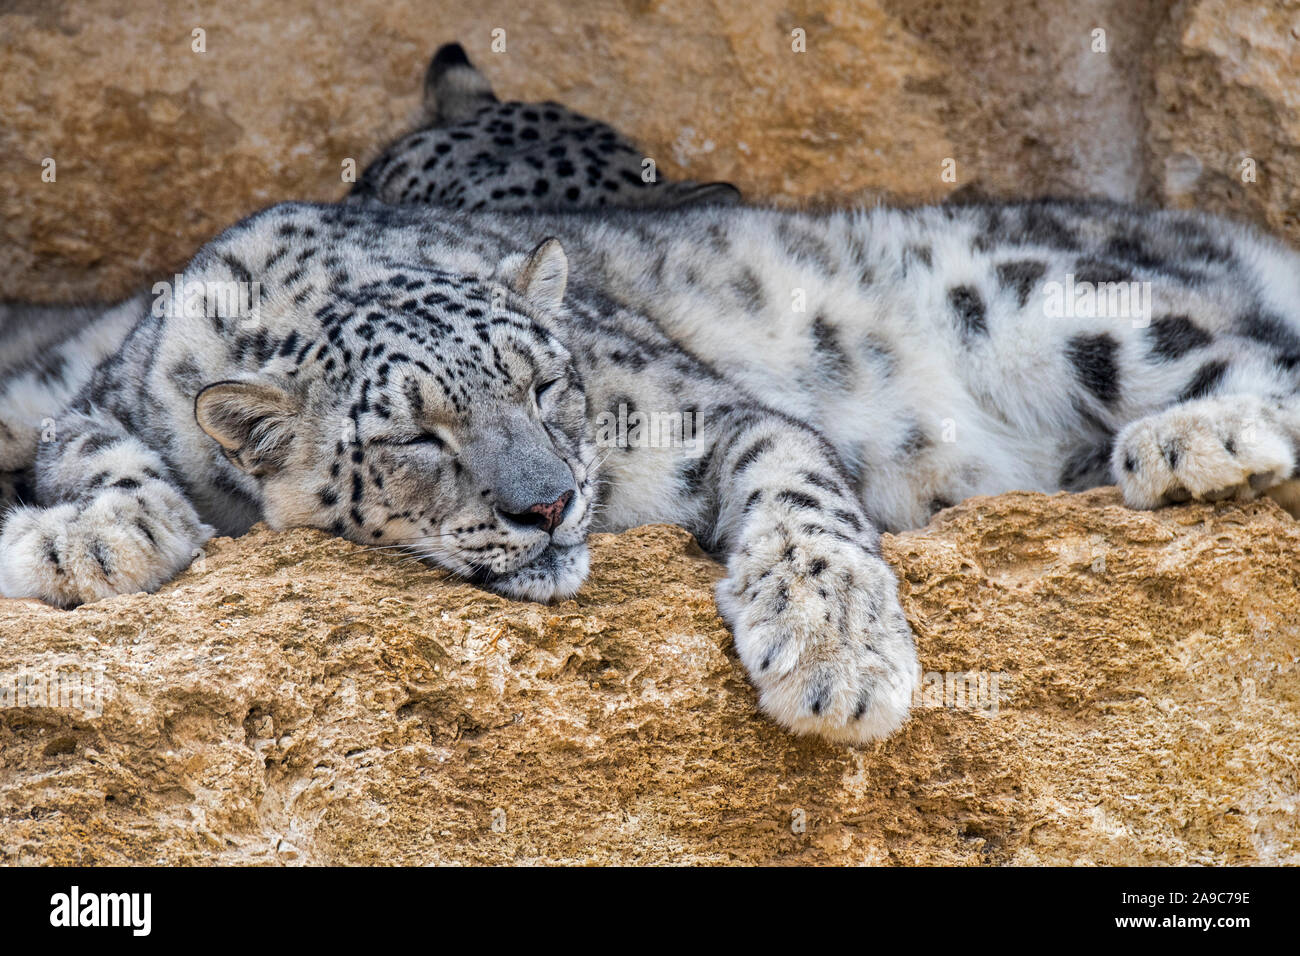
47, 354
471, 151
472, 389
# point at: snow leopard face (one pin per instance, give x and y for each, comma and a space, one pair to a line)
410, 407
474, 152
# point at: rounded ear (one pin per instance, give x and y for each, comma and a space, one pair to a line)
543, 277
251, 421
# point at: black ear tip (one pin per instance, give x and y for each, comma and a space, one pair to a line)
449, 55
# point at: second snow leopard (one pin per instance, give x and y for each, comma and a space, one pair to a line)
443, 382
474, 152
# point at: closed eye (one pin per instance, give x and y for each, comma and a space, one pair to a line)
543, 388
423, 438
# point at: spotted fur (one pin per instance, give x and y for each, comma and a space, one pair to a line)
442, 382
472, 151
47, 354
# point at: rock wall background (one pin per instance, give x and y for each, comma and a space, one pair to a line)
159, 147
294, 700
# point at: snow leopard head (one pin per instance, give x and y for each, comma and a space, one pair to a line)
404, 405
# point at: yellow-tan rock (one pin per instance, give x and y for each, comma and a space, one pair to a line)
1130, 694
1224, 121
157, 147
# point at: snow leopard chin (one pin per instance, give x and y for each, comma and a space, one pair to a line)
554, 575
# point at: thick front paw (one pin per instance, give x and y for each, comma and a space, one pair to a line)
1205, 450
112, 544
819, 627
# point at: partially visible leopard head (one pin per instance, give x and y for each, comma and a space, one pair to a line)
434, 412
473, 152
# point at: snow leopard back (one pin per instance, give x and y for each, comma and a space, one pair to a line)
474, 152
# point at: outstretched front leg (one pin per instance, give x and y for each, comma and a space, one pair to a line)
113, 520
813, 605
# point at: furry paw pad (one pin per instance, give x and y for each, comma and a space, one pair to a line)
1206, 450
818, 625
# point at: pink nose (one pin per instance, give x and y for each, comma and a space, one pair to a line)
553, 513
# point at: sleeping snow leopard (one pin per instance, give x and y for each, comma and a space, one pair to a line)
475, 152
443, 383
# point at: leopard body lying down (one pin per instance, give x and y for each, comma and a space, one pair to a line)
453, 383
